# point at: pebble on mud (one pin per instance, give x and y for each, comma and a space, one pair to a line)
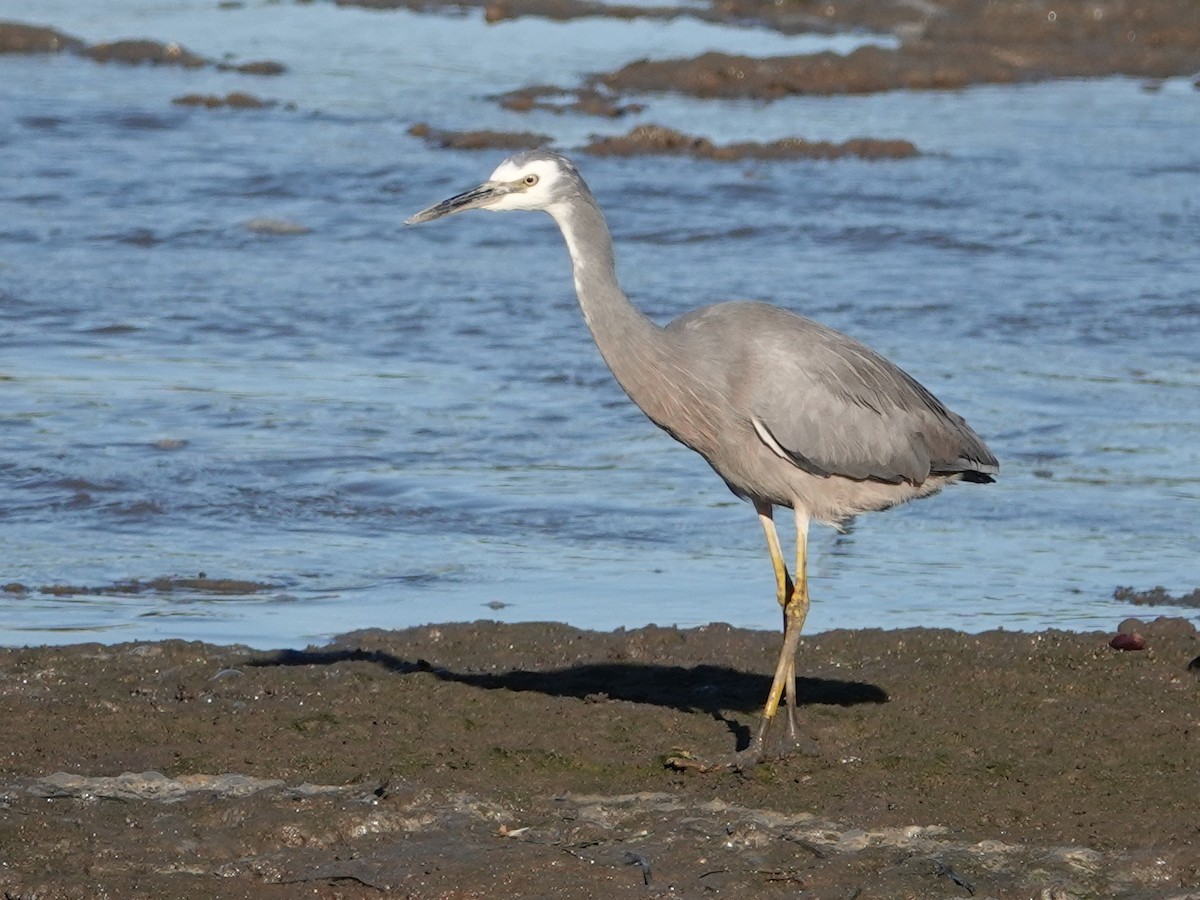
1125, 641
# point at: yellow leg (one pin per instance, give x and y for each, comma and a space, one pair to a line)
794, 599
783, 582
796, 611
783, 593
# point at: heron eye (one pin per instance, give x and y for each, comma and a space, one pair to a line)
529, 180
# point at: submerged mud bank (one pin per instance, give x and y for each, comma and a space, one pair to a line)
657, 140
926, 64
484, 760
19, 37
943, 45
479, 140
654, 139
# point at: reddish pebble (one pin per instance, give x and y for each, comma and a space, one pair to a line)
1128, 642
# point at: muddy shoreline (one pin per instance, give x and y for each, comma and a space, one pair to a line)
482, 760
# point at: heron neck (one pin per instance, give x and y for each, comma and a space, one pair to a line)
628, 340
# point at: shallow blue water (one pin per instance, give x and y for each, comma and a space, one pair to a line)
396, 426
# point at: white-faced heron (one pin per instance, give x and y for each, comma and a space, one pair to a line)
788, 412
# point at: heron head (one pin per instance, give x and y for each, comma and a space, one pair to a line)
535, 179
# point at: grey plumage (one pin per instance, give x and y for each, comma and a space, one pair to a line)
787, 411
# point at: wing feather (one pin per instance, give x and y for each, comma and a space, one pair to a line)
830, 403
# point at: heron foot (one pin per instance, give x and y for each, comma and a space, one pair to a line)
759, 751
762, 751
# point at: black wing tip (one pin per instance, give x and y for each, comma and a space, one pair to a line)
973, 477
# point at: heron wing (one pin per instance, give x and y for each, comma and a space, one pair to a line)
833, 406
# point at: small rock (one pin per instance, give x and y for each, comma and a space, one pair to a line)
1124, 641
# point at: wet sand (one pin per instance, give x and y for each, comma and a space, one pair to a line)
487, 760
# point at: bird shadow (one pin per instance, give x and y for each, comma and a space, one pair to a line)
706, 689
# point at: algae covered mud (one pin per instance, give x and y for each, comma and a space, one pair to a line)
225, 363
474, 761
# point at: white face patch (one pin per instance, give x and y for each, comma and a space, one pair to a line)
508, 170
536, 196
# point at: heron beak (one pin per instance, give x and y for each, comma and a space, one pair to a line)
473, 199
